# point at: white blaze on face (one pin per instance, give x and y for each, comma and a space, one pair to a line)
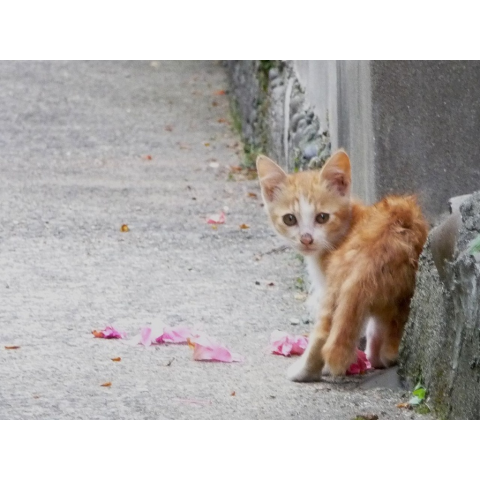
306, 221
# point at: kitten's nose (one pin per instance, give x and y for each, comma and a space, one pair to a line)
306, 239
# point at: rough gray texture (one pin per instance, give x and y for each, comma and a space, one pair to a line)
425, 125
74, 137
275, 117
441, 345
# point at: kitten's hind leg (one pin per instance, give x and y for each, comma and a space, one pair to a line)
393, 335
375, 338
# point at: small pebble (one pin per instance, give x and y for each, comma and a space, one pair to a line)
294, 321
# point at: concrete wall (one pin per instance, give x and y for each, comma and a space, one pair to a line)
409, 126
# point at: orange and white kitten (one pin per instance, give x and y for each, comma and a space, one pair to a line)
361, 260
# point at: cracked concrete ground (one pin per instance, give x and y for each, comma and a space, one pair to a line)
75, 143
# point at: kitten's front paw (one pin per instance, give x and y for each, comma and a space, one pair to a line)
298, 372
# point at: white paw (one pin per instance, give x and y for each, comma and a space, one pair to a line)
298, 372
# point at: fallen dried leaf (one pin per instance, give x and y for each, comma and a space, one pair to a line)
214, 227
207, 144
235, 168
222, 120
404, 405
219, 92
106, 384
270, 284
214, 104
12, 347
169, 128
148, 157
244, 226
232, 394
253, 195
124, 228
116, 359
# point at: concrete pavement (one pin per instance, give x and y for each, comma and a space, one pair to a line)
75, 143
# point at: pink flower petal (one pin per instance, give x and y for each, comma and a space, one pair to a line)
111, 332
282, 343
361, 365
217, 218
145, 336
175, 335
205, 348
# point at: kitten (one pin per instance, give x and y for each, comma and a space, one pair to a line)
361, 260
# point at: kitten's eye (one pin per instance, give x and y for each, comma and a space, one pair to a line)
289, 219
322, 217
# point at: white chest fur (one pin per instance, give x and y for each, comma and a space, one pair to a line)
318, 285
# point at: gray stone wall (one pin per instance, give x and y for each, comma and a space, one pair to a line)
274, 115
441, 345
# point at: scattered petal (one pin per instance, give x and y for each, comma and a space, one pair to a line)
282, 343
217, 218
361, 366
205, 348
106, 384
116, 359
12, 347
219, 92
148, 157
175, 335
145, 336
244, 226
159, 333
214, 227
109, 332
124, 228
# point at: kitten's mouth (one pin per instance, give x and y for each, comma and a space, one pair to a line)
308, 249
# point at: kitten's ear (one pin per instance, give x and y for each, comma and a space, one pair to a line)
271, 176
337, 173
